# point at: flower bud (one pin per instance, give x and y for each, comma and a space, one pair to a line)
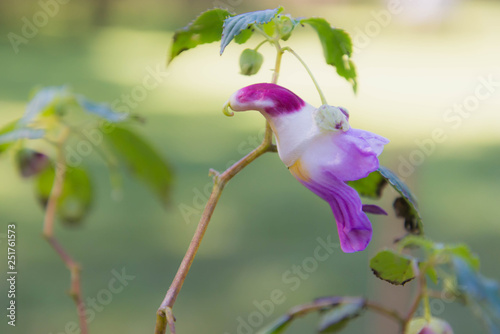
286, 26
30, 162
434, 326
250, 62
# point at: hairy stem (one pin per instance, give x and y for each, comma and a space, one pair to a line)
321, 95
48, 233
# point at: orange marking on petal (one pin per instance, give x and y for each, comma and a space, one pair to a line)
299, 171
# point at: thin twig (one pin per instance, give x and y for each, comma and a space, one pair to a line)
164, 315
220, 182
48, 234
418, 297
384, 311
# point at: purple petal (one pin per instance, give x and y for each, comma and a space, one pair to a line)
272, 99
349, 156
353, 225
374, 209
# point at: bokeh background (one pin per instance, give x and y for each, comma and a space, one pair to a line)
413, 68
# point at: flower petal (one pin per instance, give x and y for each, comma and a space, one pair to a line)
349, 156
353, 225
374, 209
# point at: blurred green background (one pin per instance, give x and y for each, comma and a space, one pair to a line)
413, 67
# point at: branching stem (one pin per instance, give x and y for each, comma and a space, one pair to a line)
48, 232
164, 315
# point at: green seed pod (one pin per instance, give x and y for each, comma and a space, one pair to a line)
250, 62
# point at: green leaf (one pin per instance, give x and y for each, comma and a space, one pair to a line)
430, 272
417, 241
76, 196
392, 267
234, 25
206, 28
250, 62
370, 186
102, 110
337, 48
406, 206
45, 102
463, 251
481, 293
278, 326
24, 133
243, 36
9, 127
142, 159
336, 319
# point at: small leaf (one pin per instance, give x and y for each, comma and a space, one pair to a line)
30, 163
337, 48
44, 102
417, 241
392, 267
234, 25
76, 197
463, 251
102, 109
250, 62
24, 133
9, 127
206, 28
278, 326
431, 273
370, 186
479, 291
143, 161
337, 318
406, 206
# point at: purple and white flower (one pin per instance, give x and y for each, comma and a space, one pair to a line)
322, 152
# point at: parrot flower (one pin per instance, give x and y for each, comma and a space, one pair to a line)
321, 151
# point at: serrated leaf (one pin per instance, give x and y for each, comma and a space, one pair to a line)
337, 48
76, 196
337, 318
206, 28
409, 211
392, 267
278, 326
142, 160
370, 186
234, 25
102, 110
